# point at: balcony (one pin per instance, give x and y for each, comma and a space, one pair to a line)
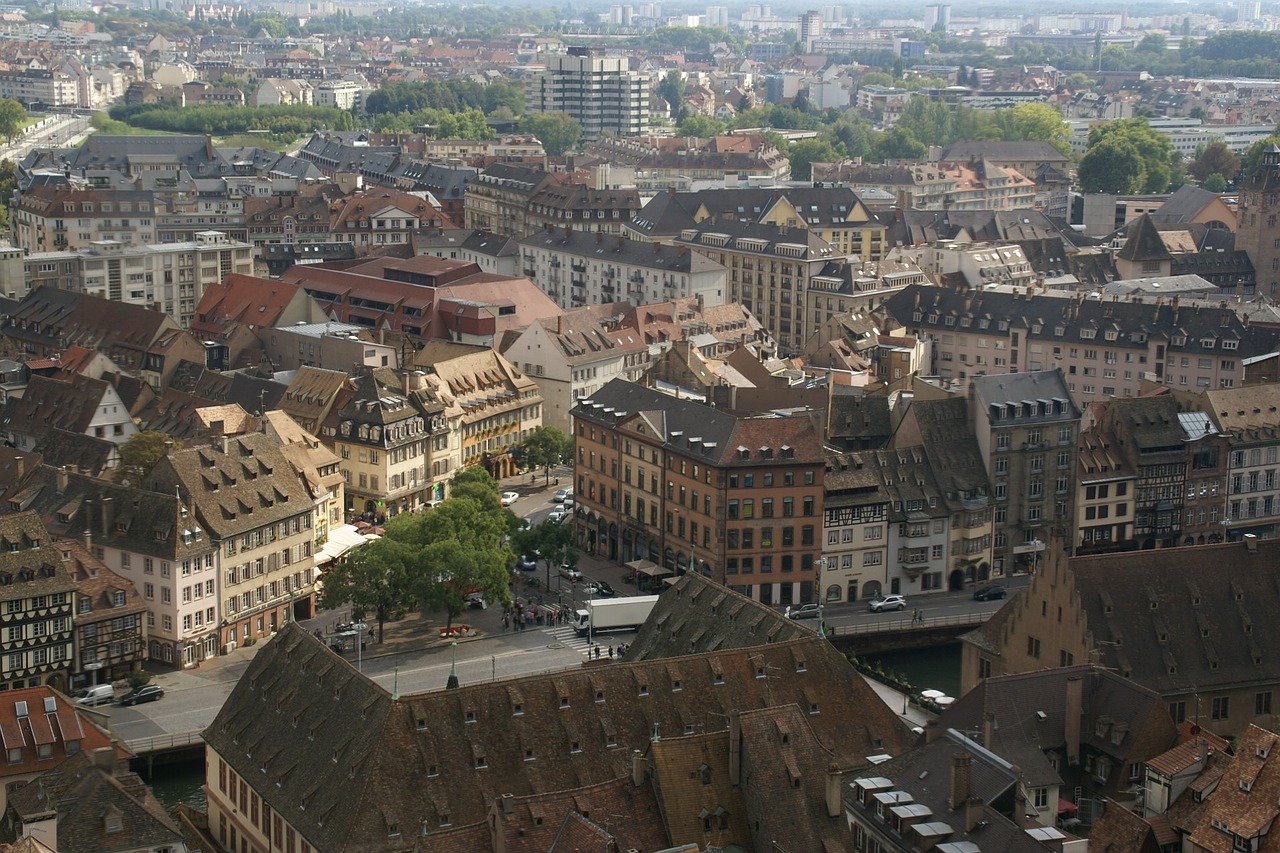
577, 267
974, 503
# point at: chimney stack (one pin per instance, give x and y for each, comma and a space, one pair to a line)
639, 768
1251, 543
106, 516
959, 780
20, 466
63, 479
973, 808
834, 806
1071, 725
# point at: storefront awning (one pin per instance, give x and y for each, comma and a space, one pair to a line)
647, 567
341, 540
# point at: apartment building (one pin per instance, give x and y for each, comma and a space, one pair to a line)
343, 94
258, 518
37, 590
855, 522
171, 276
497, 199
1104, 348
487, 403
383, 440
36, 88
110, 619
601, 92
382, 217
771, 269
577, 268
80, 405
1105, 488
658, 479
974, 266
1027, 429
1208, 455
1153, 443
1249, 422
581, 207
833, 213
58, 217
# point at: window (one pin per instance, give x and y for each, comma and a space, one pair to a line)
1221, 709
1262, 703
1033, 648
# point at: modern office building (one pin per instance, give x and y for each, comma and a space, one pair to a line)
601, 92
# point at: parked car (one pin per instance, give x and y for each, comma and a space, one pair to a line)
526, 563
508, 498
145, 693
599, 589
805, 611
990, 592
561, 496
99, 694
887, 602
558, 513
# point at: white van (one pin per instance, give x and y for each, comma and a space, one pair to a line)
99, 694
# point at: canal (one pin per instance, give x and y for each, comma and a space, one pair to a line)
176, 783
936, 668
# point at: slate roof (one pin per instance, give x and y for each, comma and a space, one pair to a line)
1185, 203
313, 395
1184, 620
29, 564
608, 248
1032, 386
720, 434
1248, 413
1143, 242
1038, 318
82, 452
671, 212
953, 448
54, 404
1028, 719
1146, 426
859, 421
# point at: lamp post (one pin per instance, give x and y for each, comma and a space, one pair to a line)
820, 564
1036, 545
452, 683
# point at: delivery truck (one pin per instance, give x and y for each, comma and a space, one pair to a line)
614, 614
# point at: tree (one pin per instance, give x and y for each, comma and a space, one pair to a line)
460, 547
140, 453
1214, 183
1253, 157
542, 448
1216, 157
477, 484
13, 118
1035, 123
671, 90
558, 132
1112, 166
550, 541
1155, 43
900, 144
805, 153
1126, 138
377, 578
700, 126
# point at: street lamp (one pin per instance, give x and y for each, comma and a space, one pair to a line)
820, 564
452, 683
1036, 545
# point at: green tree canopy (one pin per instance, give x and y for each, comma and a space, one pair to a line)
1214, 183
460, 547
1035, 123
700, 126
550, 541
671, 90
900, 144
558, 132
477, 484
1111, 168
805, 153
140, 453
377, 578
13, 118
543, 447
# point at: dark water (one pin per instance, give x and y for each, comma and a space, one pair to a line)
937, 669
177, 783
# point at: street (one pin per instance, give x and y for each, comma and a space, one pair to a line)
57, 130
193, 697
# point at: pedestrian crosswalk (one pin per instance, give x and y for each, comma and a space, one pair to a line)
566, 636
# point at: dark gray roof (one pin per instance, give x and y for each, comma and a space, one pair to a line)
607, 247
1184, 204
669, 213
1039, 318
1033, 386
1003, 151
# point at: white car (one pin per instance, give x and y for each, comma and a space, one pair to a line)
888, 602
558, 513
572, 574
563, 496
508, 498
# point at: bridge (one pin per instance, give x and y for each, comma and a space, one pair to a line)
883, 635
170, 747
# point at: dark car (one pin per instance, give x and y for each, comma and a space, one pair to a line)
599, 589
990, 592
526, 563
145, 693
805, 611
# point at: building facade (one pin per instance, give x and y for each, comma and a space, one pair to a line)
601, 92
37, 591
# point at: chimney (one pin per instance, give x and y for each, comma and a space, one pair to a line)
20, 466
1071, 726
735, 748
988, 729
404, 377
506, 804
104, 757
106, 516
639, 768
1251, 543
560, 323
568, 232
226, 445
657, 247
973, 808
834, 806
621, 241
63, 479
599, 236
959, 780
1019, 797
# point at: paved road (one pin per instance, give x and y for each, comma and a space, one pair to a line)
55, 131
192, 698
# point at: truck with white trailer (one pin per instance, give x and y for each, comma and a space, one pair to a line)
613, 614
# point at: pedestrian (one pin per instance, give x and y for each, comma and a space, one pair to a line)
921, 612
597, 653
505, 621
786, 614
611, 651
